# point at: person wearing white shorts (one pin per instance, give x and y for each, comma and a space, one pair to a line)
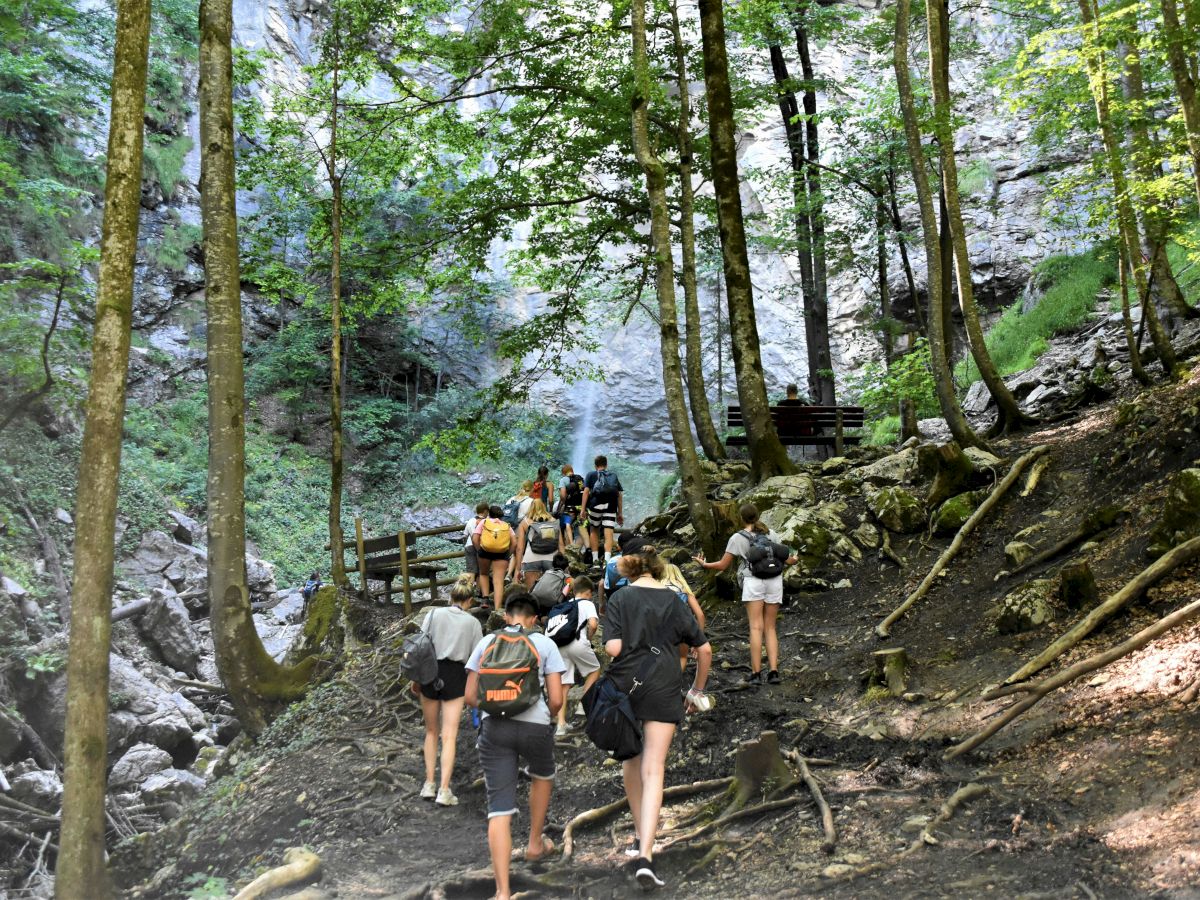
761, 596
583, 666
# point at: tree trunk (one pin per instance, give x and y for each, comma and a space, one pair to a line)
821, 381
910, 280
1135, 356
1011, 416
697, 395
337, 564
254, 680
951, 411
694, 487
768, 456
1185, 83
81, 860
1093, 52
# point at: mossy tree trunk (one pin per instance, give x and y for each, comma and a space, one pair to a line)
337, 563
1180, 43
944, 385
768, 456
81, 859
256, 683
702, 418
695, 490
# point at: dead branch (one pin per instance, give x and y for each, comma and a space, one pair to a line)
199, 685
884, 627
24, 809
1190, 692
1133, 589
18, 834
37, 747
1092, 524
886, 551
964, 794
1035, 475
743, 813
814, 788
299, 866
1083, 667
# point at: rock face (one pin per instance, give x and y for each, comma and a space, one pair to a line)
38, 788
163, 562
167, 791
168, 628
1027, 608
1180, 520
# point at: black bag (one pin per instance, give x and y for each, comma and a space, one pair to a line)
418, 659
611, 724
765, 557
562, 625
543, 537
574, 492
605, 487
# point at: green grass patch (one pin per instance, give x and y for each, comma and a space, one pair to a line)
178, 240
164, 157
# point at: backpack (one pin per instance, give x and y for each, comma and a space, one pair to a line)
496, 536
575, 492
540, 491
606, 486
511, 511
543, 537
562, 626
418, 659
509, 679
679, 592
764, 557
548, 591
611, 724
310, 588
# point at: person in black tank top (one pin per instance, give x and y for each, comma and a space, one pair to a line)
647, 621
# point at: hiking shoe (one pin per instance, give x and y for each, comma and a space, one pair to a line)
645, 875
445, 797
562, 731
773, 677
754, 678
428, 791
587, 556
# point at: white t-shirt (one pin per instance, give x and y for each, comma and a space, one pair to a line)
551, 663
739, 546
471, 528
587, 612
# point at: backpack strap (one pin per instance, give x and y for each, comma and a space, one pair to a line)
643, 672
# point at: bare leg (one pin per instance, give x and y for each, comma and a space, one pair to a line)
656, 741
531, 579
754, 615
499, 567
608, 541
562, 710
485, 578
589, 681
593, 539
429, 709
770, 613
539, 802
631, 770
500, 845
451, 716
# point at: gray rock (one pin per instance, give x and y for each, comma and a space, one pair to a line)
10, 587
978, 399
138, 763
788, 490
187, 530
167, 628
148, 714
187, 574
1017, 552
982, 459
867, 536
1027, 608
154, 553
834, 465
290, 608
63, 517
170, 790
38, 788
277, 639
260, 578
898, 510
898, 468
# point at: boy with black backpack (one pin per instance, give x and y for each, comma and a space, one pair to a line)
570, 501
571, 625
604, 499
515, 678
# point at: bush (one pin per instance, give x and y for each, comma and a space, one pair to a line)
164, 156
879, 389
178, 240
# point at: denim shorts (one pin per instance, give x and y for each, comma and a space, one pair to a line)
502, 742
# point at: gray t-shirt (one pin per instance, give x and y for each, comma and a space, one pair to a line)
551, 662
739, 546
454, 632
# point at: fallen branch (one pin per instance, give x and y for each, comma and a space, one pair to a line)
886, 551
1035, 475
814, 788
299, 866
33, 741
1083, 667
199, 685
1133, 589
884, 627
964, 794
1092, 524
1190, 692
744, 812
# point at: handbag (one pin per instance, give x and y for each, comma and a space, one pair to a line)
611, 724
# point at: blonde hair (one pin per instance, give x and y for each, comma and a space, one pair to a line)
539, 513
526, 487
463, 590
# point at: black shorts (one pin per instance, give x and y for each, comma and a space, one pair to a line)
658, 702
494, 557
453, 677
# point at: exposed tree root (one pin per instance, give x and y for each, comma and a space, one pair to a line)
1083, 667
1190, 692
884, 627
814, 788
743, 813
299, 866
1133, 589
1092, 524
964, 794
1035, 476
886, 551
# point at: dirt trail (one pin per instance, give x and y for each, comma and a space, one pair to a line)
1094, 793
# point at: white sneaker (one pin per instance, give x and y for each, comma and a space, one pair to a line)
445, 797
579, 711
428, 791
561, 731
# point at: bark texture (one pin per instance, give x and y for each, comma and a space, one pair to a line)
81, 862
337, 563
1185, 83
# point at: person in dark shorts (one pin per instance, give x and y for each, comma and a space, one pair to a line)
646, 620
604, 500
472, 554
493, 542
528, 736
454, 632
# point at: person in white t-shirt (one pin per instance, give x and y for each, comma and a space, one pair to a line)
579, 655
472, 554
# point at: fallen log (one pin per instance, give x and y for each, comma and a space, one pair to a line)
1184, 553
884, 627
299, 866
814, 788
1035, 476
1092, 524
1037, 691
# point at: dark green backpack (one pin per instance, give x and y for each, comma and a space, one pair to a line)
509, 674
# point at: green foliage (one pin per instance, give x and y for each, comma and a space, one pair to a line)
178, 241
44, 663
163, 160
1070, 287
885, 432
206, 887
879, 388
1184, 253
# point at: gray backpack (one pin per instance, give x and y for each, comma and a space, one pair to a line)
418, 659
548, 592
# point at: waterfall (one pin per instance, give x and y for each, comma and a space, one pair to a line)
580, 457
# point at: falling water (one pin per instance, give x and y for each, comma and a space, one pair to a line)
583, 429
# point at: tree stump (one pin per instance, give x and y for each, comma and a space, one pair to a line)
759, 769
891, 667
954, 470
1077, 587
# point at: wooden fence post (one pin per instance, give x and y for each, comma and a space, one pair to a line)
362, 561
404, 573
837, 435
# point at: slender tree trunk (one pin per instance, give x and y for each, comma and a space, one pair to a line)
1135, 356
337, 565
1178, 54
81, 859
822, 383
254, 680
697, 395
767, 455
951, 411
910, 280
694, 487
1093, 53
1010, 415
718, 306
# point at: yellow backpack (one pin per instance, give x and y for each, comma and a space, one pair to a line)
496, 536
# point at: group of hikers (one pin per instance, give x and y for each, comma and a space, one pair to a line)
517, 679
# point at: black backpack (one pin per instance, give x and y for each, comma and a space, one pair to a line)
606, 485
611, 724
574, 491
562, 625
765, 557
418, 658
543, 536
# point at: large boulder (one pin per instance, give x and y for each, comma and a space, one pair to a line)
898, 510
898, 468
1027, 608
138, 763
146, 714
154, 553
260, 579
38, 788
786, 490
167, 628
1180, 517
168, 791
187, 530
953, 514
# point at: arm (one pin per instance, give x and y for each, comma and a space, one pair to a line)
613, 647
620, 507
697, 611
593, 625
720, 565
554, 692
518, 548
475, 541
472, 690
587, 492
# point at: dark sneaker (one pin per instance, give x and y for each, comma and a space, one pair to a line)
645, 875
587, 556
754, 678
773, 677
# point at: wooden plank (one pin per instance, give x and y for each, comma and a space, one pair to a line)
837, 435
815, 440
404, 575
362, 561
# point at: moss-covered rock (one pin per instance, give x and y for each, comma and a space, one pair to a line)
953, 514
898, 510
1180, 518
790, 490
811, 544
1027, 608
896, 468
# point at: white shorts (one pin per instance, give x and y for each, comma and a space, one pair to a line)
768, 590
581, 661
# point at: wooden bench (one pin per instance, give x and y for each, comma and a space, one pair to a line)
806, 426
392, 556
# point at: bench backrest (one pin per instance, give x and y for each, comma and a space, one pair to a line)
792, 418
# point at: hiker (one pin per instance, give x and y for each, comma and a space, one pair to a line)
454, 633
760, 555
311, 587
517, 506
493, 540
570, 500
604, 499
572, 631
539, 537
673, 578
541, 486
613, 579
516, 725
643, 626
793, 397
553, 585
470, 551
